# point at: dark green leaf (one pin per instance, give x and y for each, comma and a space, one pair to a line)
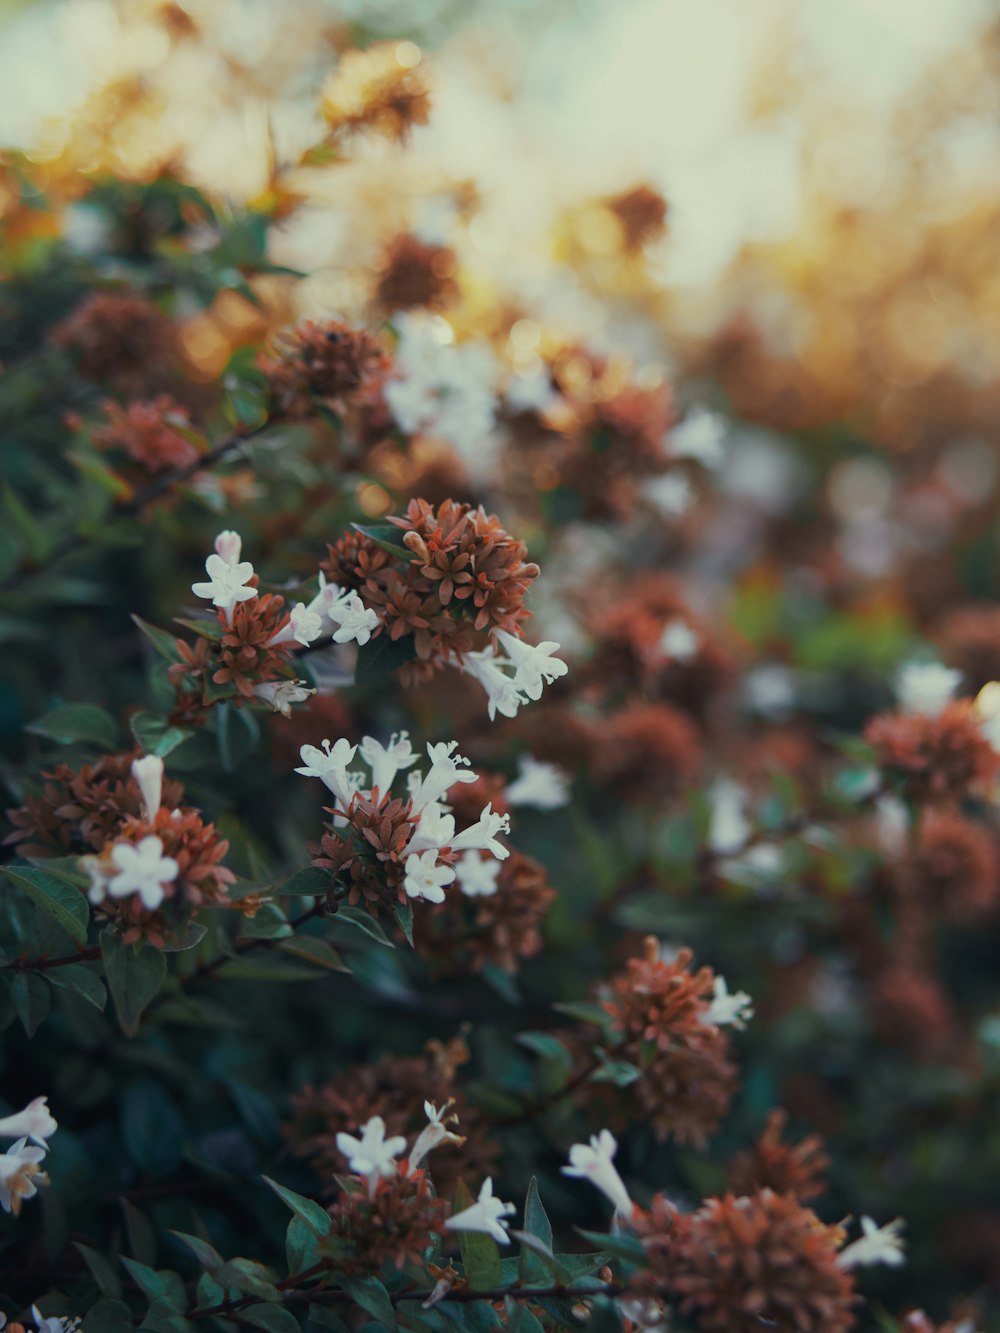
101, 1270
65, 904
207, 1255
77, 722
275, 1318
32, 1000
156, 735
311, 882
313, 1214
371, 1296
83, 980
379, 658
363, 921
162, 640
537, 1224
152, 1127
134, 977
108, 1317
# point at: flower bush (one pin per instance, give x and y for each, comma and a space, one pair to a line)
469, 864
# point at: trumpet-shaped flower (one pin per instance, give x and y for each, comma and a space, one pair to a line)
538, 785
534, 664
385, 761
595, 1162
330, 765
434, 1133
36, 1122
477, 878
481, 836
281, 694
19, 1175
355, 621
148, 773
142, 869
446, 769
875, 1245
54, 1323
486, 1215
372, 1155
227, 584
425, 879
304, 626
502, 693
726, 1010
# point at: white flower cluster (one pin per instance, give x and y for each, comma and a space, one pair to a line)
136, 868
340, 614
374, 1156
515, 675
442, 388
435, 825
20, 1175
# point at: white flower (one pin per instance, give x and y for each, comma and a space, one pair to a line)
36, 1122
727, 1010
226, 586
700, 436
19, 1175
892, 824
729, 828
485, 1215
148, 773
425, 879
281, 694
229, 546
446, 769
503, 695
435, 829
987, 708
595, 1162
54, 1323
481, 835
925, 687
329, 765
142, 869
671, 494
531, 393
477, 878
304, 625
875, 1245
678, 641
539, 785
441, 388
385, 761
533, 663
355, 621
434, 1133
770, 689
373, 1154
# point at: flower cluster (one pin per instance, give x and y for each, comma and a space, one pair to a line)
120, 339
326, 364
669, 1024
382, 89
386, 850
416, 274
155, 433
160, 867
459, 592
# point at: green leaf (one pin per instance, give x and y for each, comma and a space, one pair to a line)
77, 722
101, 1270
134, 977
83, 980
237, 732
162, 1286
557, 1063
32, 1000
55, 897
251, 1277
141, 1236
152, 1127
361, 920
162, 640
544, 1253
537, 1224
311, 881
387, 537
262, 968
108, 1317
403, 912
275, 1318
314, 950
380, 657
620, 1244
156, 735
371, 1296
207, 1255
313, 1214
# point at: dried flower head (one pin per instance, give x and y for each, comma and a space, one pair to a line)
393, 1223
642, 213
330, 364
740, 1264
119, 339
938, 758
956, 867
785, 1168
414, 273
155, 433
686, 1079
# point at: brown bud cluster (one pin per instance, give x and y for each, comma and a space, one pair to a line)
414, 274
368, 856
119, 339
941, 758
328, 363
785, 1168
465, 577
394, 1225
154, 433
